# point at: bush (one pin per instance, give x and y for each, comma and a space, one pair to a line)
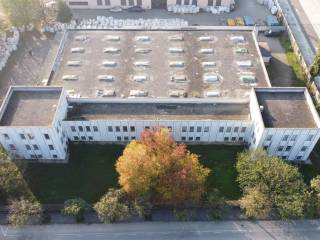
64, 14
111, 208
184, 215
215, 203
75, 207
22, 212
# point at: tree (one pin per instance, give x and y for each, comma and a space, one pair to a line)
12, 184
64, 13
256, 204
315, 68
22, 212
22, 12
282, 183
111, 208
215, 203
159, 168
75, 207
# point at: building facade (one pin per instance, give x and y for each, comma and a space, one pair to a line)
106, 4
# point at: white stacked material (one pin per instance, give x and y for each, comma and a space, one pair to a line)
182, 9
55, 27
7, 46
218, 10
270, 4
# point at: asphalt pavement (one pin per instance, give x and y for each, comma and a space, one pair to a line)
226, 230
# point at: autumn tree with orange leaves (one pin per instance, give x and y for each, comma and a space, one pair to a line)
162, 170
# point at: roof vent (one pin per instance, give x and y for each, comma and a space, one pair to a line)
206, 51
106, 93
81, 38
237, 38
77, 50
248, 78
176, 64
209, 64
213, 94
143, 38
70, 77
138, 93
176, 50
177, 93
111, 50
242, 50
140, 78
109, 63
142, 64
212, 78
113, 38
247, 63
73, 63
106, 78
176, 38
143, 50
205, 38
179, 78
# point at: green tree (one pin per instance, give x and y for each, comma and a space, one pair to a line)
157, 167
12, 183
111, 207
282, 183
315, 68
215, 203
22, 212
75, 207
64, 13
22, 12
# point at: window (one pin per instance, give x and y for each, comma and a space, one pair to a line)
51, 147
76, 138
184, 129
197, 138
73, 128
199, 129
30, 136
55, 156
33, 156
310, 137
35, 147
110, 129
74, 3
294, 137
146, 127
90, 138
80, 128
210, 2
39, 156
241, 139
125, 128
6, 136
139, 3
186, 2
169, 128
206, 129
88, 128
126, 138
190, 138
191, 129
269, 137
299, 157
195, 2
285, 137
123, 3
221, 129
254, 141
119, 138
183, 138
83, 138
280, 148
95, 128
228, 129
107, 2
131, 2
233, 139
46, 136
12, 147
265, 147
117, 129
304, 148
133, 138
132, 129
28, 147
22, 136
288, 148
178, 2
236, 129
243, 129
226, 139
99, 2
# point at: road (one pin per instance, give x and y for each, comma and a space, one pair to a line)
227, 230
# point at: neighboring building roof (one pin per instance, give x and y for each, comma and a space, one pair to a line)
157, 59
158, 111
30, 106
283, 108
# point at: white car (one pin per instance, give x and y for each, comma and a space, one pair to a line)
115, 9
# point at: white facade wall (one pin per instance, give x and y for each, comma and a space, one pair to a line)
105, 4
201, 3
185, 131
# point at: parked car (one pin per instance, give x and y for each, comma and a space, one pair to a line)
273, 33
248, 20
231, 22
272, 21
239, 21
115, 9
135, 9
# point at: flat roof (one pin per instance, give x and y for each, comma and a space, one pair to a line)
156, 56
286, 109
30, 107
159, 111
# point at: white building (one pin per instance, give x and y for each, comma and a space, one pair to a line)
207, 85
106, 4
203, 3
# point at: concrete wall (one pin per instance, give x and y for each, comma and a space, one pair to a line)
93, 4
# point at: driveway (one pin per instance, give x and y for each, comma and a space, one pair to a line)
243, 7
229, 230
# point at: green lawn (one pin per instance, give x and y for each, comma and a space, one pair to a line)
90, 172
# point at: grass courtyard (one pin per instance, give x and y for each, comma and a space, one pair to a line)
90, 172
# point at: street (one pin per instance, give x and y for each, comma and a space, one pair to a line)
227, 230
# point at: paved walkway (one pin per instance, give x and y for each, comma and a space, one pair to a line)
229, 230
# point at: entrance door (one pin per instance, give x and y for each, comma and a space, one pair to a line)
159, 4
